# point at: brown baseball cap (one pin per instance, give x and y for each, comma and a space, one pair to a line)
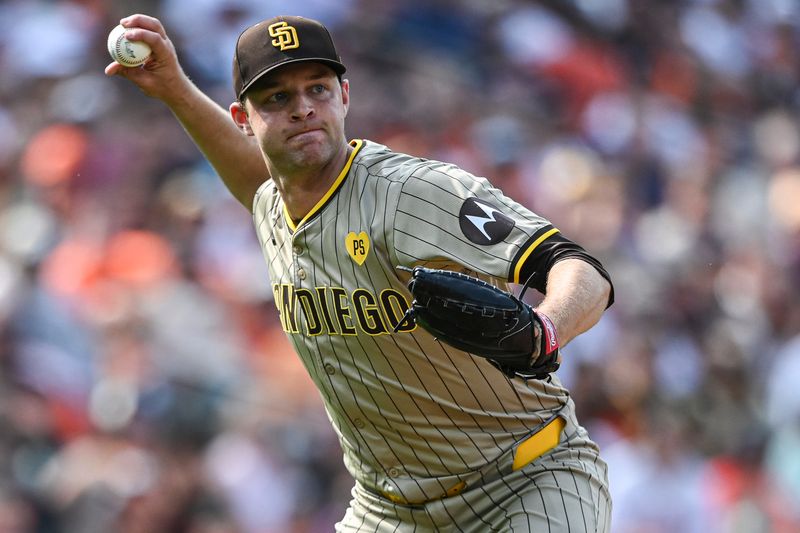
278, 41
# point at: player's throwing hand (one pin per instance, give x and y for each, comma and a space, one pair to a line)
161, 76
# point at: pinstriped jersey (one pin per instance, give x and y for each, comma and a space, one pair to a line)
408, 409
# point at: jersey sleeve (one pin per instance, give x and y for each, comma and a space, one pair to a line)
447, 215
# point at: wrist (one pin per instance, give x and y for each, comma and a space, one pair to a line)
182, 95
548, 335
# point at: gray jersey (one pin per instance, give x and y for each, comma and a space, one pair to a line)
398, 401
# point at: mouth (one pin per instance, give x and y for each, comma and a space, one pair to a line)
305, 133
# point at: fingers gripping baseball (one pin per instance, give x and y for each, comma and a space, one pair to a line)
125, 52
476, 317
161, 75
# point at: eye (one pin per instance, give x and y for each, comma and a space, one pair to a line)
318, 89
277, 98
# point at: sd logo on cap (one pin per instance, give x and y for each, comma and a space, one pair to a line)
271, 43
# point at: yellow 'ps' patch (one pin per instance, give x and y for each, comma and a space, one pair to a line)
357, 246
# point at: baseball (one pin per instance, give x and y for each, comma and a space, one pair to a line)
125, 52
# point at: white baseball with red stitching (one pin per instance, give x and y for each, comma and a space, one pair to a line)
125, 52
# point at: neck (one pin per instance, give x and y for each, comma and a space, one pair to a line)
301, 188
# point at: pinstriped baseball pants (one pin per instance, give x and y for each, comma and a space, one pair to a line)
565, 490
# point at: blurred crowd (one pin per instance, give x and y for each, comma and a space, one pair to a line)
145, 383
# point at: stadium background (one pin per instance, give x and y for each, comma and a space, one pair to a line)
145, 384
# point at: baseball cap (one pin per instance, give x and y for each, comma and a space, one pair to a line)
278, 41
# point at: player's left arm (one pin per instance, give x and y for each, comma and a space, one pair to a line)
575, 297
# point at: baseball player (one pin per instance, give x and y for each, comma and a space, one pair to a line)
437, 438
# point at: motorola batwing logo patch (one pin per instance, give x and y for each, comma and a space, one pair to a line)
483, 223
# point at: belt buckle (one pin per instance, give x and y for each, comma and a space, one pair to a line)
539, 443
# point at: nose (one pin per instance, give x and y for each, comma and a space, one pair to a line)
303, 108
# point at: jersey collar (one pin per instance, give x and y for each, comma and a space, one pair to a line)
356, 144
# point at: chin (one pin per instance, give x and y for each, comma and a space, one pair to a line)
314, 154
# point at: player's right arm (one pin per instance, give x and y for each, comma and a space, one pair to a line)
234, 155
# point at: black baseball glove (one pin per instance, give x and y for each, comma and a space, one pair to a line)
471, 315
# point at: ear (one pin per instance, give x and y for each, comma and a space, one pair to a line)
240, 118
346, 95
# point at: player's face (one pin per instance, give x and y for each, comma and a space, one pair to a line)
297, 115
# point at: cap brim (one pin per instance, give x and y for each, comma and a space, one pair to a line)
337, 67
